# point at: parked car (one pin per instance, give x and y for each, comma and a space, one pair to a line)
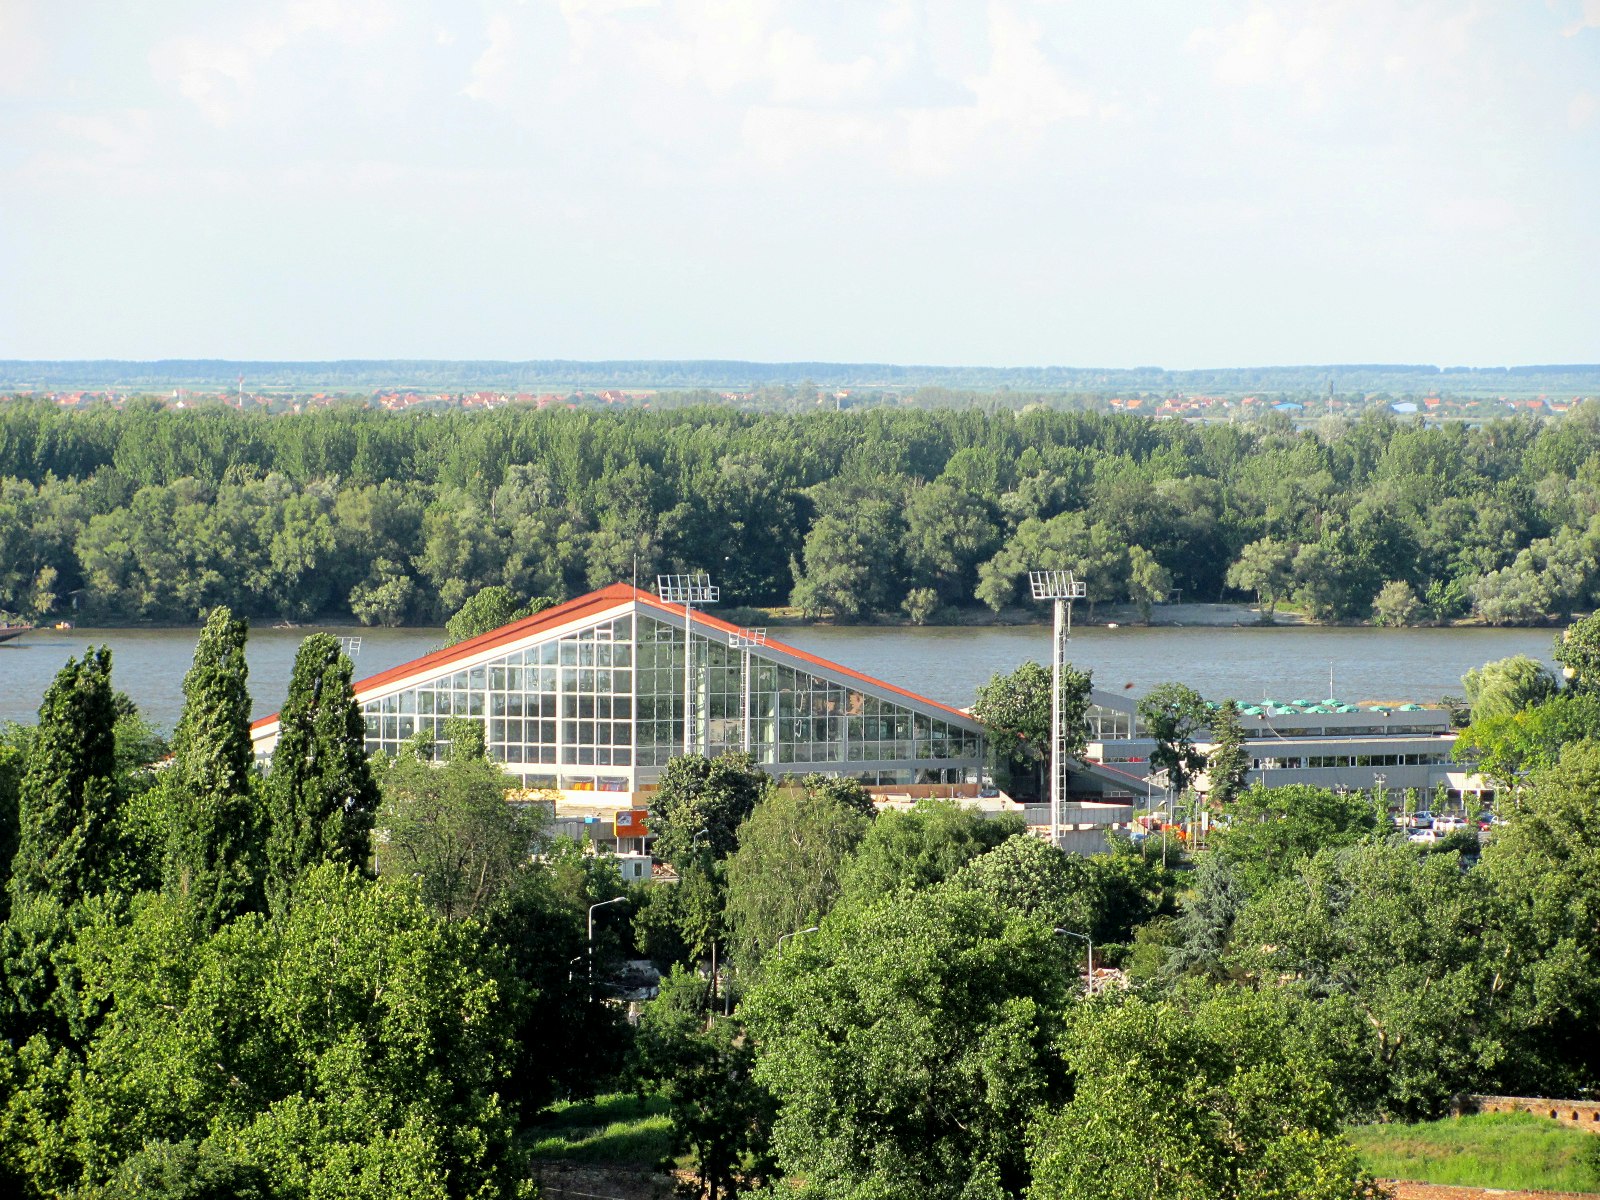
1423, 836
1420, 820
1448, 824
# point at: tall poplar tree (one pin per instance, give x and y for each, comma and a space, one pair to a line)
67, 841
321, 798
213, 857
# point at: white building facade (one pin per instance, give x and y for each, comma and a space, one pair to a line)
590, 696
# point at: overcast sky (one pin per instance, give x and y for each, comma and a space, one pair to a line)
1106, 183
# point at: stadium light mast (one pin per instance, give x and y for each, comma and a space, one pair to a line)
1062, 588
687, 590
746, 640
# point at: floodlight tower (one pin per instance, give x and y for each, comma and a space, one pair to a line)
687, 590
746, 640
1063, 589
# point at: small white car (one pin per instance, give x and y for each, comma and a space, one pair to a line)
1449, 824
1424, 836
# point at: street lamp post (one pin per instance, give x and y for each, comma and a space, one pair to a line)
1063, 589
1083, 937
687, 590
746, 640
592, 907
782, 937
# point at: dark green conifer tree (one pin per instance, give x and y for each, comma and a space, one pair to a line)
1227, 764
68, 829
321, 798
213, 856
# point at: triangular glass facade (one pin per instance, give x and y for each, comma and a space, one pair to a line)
600, 706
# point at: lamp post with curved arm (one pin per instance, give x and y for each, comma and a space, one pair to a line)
782, 937
592, 907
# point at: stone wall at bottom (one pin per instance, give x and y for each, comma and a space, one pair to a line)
1579, 1114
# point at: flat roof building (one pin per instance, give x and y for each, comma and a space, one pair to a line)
1323, 743
589, 696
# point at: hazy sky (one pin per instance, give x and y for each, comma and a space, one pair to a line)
1106, 183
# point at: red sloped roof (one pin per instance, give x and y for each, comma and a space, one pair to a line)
593, 604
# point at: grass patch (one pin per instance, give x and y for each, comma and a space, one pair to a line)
1515, 1151
616, 1130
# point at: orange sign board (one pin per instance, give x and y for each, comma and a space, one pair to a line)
631, 822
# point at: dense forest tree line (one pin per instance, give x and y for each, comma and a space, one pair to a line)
156, 514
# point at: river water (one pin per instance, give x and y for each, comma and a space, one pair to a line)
947, 664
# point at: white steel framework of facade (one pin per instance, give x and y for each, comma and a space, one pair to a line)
590, 696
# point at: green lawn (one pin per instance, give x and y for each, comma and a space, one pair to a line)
1493, 1150
615, 1130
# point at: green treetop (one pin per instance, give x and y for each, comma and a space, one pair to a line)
1578, 650
1015, 711
321, 797
449, 827
67, 844
700, 803
789, 867
1171, 715
1227, 763
1506, 686
488, 609
213, 855
907, 1042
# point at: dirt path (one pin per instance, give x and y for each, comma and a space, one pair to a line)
1404, 1190
569, 1181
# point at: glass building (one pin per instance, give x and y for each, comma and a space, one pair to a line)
590, 696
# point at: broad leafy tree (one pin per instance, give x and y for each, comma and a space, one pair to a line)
700, 803
1273, 830
1406, 937
921, 846
1015, 711
906, 1044
1265, 567
1219, 1102
489, 609
1507, 686
1577, 649
449, 827
789, 867
1506, 748
1545, 869
704, 1065
1171, 715
1148, 581
354, 1047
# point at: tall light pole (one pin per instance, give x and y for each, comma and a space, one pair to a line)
746, 640
1063, 589
592, 907
1082, 937
687, 590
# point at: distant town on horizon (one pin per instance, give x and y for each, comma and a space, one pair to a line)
564, 379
